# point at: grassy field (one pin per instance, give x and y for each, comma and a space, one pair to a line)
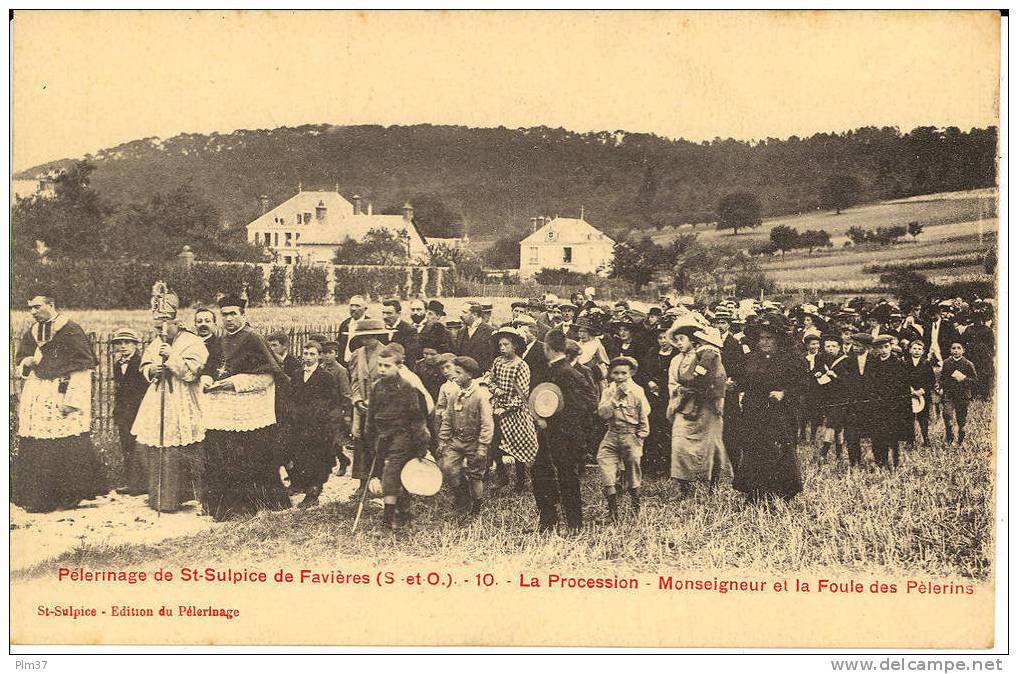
936, 212
932, 516
954, 224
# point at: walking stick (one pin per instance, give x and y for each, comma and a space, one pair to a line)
367, 483
162, 431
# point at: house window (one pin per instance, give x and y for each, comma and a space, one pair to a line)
277, 240
257, 238
567, 255
289, 239
296, 237
533, 255
287, 259
307, 218
268, 239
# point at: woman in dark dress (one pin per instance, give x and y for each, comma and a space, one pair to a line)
771, 382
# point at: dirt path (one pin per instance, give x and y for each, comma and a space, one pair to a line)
113, 519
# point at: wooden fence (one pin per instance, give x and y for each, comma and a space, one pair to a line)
102, 376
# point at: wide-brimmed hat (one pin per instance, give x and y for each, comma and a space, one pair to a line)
584, 323
546, 400
126, 335
863, 338
421, 477
880, 340
370, 327
514, 334
710, 335
774, 324
687, 324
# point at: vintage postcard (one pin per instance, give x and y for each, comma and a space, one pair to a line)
505, 328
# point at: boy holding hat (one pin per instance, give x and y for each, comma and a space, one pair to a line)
397, 423
466, 431
626, 410
130, 387
560, 456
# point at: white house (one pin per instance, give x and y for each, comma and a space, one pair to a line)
565, 243
309, 226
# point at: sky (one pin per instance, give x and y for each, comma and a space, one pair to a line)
83, 81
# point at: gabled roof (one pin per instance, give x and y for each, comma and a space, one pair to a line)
567, 231
339, 222
305, 202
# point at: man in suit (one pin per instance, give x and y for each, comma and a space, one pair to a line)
940, 333
418, 314
131, 386
475, 337
732, 359
358, 308
813, 363
855, 375
892, 413
434, 335
403, 334
533, 352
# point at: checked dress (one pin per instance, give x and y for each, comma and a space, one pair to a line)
510, 387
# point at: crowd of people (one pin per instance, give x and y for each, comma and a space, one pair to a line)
703, 392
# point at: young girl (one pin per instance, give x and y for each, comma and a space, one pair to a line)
509, 383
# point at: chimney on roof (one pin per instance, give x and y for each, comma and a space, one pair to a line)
264, 200
408, 212
356, 204
320, 211
533, 225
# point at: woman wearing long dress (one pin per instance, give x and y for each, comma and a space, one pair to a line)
509, 383
771, 382
696, 386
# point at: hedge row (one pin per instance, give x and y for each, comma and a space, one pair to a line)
921, 263
97, 284
101, 284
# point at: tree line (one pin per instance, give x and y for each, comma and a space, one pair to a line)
489, 182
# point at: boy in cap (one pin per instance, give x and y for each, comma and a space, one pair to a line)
341, 410
466, 430
130, 385
625, 408
957, 380
397, 421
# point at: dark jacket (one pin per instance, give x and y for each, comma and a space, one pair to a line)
956, 390
312, 403
579, 397
538, 364
892, 410
946, 335
480, 347
407, 335
920, 376
436, 336
732, 356
130, 389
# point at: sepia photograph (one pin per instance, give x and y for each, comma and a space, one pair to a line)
572, 329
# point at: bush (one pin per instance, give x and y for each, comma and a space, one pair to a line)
562, 277
310, 285
373, 282
95, 284
277, 284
